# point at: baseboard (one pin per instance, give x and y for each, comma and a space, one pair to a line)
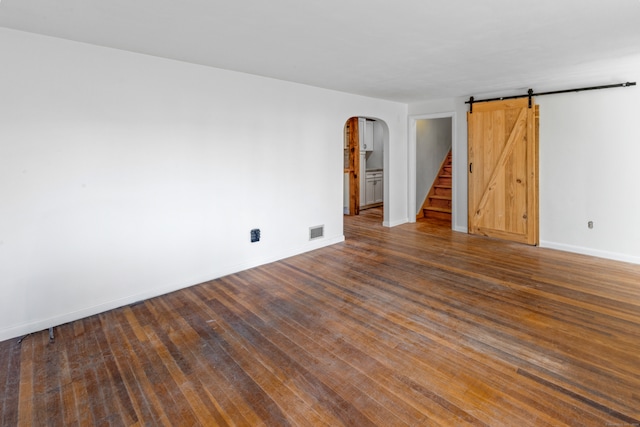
591, 252
395, 223
45, 323
61, 319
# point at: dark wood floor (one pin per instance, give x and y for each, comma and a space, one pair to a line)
411, 325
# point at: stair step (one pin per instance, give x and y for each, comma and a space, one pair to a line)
440, 197
435, 209
444, 216
442, 186
445, 175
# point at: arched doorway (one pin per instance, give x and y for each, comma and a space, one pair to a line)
365, 182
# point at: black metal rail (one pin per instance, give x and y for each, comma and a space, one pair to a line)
531, 94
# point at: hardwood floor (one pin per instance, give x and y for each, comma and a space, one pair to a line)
411, 325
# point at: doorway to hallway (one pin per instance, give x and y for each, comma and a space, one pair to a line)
432, 183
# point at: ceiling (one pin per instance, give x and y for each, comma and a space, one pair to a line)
400, 50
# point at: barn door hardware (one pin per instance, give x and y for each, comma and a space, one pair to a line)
530, 94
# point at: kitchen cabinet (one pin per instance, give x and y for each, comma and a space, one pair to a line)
368, 136
374, 193
363, 167
365, 134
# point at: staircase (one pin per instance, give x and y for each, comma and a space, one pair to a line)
437, 205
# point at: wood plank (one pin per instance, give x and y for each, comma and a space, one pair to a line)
353, 143
26, 388
10, 361
411, 325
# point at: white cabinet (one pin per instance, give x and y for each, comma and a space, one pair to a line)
374, 193
368, 136
365, 134
363, 168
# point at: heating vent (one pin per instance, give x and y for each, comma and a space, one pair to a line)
316, 232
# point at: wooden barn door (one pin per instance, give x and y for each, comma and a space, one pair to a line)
503, 170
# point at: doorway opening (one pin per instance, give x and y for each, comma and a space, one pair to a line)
365, 181
432, 184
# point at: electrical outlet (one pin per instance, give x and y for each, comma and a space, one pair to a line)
255, 235
590, 224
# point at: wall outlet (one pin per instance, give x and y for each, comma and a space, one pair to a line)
590, 224
255, 235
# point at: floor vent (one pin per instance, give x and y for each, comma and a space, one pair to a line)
316, 232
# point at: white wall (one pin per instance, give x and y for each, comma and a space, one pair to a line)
589, 154
589, 151
433, 142
124, 176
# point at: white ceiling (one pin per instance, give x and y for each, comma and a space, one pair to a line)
402, 50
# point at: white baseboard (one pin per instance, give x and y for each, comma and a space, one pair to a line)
62, 318
395, 223
590, 251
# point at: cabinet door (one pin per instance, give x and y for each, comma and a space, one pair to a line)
368, 136
370, 191
378, 190
365, 134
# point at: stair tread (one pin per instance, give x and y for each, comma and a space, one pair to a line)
445, 175
436, 209
440, 197
442, 185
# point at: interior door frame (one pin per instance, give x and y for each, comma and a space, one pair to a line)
412, 166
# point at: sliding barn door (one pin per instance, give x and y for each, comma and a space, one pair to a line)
503, 170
